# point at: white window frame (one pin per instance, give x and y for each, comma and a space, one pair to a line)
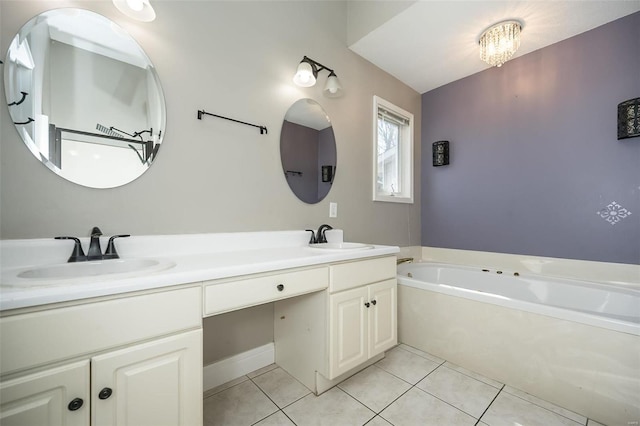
405, 194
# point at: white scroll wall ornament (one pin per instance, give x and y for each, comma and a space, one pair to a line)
614, 213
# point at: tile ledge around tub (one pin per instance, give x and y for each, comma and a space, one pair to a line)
619, 274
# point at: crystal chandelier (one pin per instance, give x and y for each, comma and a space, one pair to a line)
499, 42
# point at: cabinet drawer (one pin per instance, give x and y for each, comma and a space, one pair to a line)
231, 295
354, 274
37, 338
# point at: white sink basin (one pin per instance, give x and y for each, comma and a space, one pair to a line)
341, 246
125, 267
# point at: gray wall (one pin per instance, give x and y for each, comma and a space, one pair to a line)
534, 152
236, 59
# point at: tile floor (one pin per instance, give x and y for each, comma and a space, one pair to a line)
408, 387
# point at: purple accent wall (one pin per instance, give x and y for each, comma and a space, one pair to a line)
306, 150
299, 153
326, 157
534, 154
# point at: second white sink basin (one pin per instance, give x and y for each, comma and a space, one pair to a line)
130, 267
341, 246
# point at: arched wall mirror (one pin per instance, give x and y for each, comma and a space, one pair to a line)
84, 97
308, 151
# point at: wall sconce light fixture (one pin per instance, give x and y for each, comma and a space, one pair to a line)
499, 42
440, 151
629, 119
140, 10
307, 74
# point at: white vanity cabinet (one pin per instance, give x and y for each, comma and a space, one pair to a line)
362, 324
128, 351
322, 336
53, 397
362, 313
132, 361
229, 295
155, 383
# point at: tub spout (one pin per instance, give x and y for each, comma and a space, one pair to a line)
404, 260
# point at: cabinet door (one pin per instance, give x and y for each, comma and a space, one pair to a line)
348, 330
59, 396
383, 322
151, 384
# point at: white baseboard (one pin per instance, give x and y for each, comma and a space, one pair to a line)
238, 365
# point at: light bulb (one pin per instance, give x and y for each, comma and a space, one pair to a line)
136, 5
305, 76
332, 89
140, 10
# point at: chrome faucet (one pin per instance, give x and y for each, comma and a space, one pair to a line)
95, 252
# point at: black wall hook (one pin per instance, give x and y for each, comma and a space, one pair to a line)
29, 120
263, 129
24, 96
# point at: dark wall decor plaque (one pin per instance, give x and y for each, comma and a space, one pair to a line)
629, 119
440, 153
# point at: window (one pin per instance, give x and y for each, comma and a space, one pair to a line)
393, 153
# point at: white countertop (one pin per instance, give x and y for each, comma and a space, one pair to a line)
197, 258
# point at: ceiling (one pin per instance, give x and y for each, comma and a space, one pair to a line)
427, 44
308, 113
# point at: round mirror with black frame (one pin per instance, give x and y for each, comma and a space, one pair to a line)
84, 97
308, 151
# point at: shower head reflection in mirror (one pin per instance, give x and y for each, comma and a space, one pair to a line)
79, 68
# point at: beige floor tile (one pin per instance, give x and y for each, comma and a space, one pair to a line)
243, 404
224, 386
378, 421
281, 387
332, 408
508, 410
421, 353
466, 393
276, 419
406, 365
262, 370
417, 407
483, 379
544, 404
374, 387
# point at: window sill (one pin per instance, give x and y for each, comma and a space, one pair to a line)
393, 199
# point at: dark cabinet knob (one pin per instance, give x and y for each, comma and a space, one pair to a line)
367, 304
105, 393
280, 287
75, 404
373, 302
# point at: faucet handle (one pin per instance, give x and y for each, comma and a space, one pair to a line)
77, 255
110, 252
313, 236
